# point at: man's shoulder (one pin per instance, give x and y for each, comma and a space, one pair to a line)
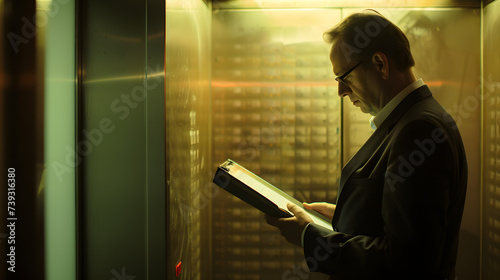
426, 111
426, 118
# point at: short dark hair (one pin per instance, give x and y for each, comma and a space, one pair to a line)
363, 34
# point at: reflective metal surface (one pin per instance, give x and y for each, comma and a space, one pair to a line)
277, 113
121, 140
59, 127
491, 143
187, 96
21, 148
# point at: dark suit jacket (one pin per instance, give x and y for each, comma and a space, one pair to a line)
400, 200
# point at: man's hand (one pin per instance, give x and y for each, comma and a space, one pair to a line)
325, 209
291, 228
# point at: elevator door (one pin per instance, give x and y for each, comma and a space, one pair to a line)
121, 150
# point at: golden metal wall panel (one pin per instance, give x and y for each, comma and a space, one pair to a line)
276, 111
187, 96
491, 143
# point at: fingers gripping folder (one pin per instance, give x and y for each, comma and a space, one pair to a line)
259, 193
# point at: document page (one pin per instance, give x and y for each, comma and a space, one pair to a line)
277, 198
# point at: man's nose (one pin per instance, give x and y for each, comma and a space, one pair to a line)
344, 90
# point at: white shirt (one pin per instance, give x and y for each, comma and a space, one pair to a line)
379, 118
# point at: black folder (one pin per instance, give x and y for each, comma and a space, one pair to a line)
259, 193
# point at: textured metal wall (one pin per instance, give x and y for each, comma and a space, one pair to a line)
491, 143
187, 95
277, 113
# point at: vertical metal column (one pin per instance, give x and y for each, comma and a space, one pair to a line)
21, 144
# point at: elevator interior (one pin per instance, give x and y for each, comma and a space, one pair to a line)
165, 91
251, 81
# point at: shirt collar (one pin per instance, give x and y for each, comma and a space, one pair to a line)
379, 118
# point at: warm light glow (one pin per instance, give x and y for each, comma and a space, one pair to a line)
341, 3
227, 84
43, 5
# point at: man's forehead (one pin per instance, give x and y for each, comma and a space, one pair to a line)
337, 70
337, 59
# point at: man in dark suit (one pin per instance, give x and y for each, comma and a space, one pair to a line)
401, 197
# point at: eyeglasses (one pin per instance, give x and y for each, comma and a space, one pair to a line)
340, 78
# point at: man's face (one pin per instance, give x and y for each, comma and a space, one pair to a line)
358, 87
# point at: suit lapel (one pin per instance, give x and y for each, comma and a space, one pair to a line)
366, 151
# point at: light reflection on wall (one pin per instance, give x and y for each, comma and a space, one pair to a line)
276, 112
188, 152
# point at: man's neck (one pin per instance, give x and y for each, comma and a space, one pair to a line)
398, 82
391, 105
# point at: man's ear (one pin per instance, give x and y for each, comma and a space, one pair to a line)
379, 59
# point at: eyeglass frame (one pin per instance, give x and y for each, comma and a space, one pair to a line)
340, 79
